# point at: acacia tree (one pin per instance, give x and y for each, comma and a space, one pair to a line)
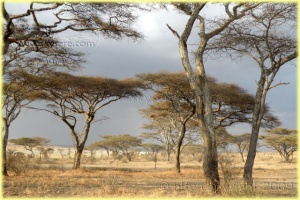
284, 141
112, 20
177, 105
92, 148
30, 143
268, 37
175, 101
104, 144
120, 144
70, 97
223, 138
197, 77
16, 95
153, 149
161, 131
242, 143
193, 150
177, 119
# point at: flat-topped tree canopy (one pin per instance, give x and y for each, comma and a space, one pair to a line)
69, 97
231, 103
92, 90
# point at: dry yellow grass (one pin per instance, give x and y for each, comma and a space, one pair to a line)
106, 178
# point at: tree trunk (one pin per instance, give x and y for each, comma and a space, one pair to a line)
128, 156
168, 153
210, 164
287, 158
242, 155
80, 144
69, 153
205, 120
256, 122
77, 156
107, 151
5, 141
206, 123
177, 164
178, 147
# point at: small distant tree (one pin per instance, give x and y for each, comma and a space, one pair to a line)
45, 152
121, 144
223, 138
152, 150
195, 150
30, 143
284, 141
242, 143
161, 131
69, 153
108, 145
61, 152
92, 148
42, 147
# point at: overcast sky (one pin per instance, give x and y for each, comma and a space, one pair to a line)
158, 51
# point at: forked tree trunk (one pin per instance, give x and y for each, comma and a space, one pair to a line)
79, 144
204, 114
77, 156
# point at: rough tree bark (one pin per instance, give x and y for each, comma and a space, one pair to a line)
5, 140
258, 113
178, 148
198, 78
80, 143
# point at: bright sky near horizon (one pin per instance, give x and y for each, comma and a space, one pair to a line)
158, 51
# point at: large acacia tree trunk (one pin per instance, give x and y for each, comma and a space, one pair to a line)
204, 113
79, 144
77, 156
197, 77
5, 141
258, 113
210, 154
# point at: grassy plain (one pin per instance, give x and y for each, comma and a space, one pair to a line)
120, 178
